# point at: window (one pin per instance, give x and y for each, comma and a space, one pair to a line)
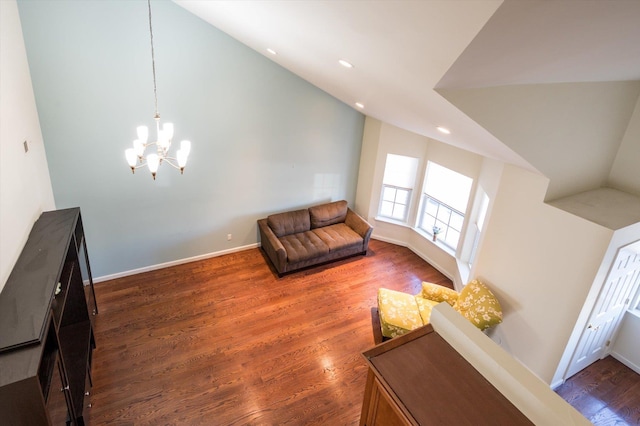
397, 186
478, 225
444, 203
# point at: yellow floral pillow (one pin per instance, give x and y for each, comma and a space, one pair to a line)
425, 306
398, 312
439, 293
478, 305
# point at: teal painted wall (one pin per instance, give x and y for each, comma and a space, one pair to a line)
263, 140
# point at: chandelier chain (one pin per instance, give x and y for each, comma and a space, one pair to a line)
153, 62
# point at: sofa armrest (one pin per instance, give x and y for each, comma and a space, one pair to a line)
272, 246
360, 226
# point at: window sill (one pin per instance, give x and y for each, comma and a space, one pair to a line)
438, 243
391, 221
420, 232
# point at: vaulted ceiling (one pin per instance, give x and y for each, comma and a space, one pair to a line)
488, 70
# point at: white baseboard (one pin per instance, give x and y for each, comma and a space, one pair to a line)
626, 362
557, 384
424, 257
174, 263
248, 247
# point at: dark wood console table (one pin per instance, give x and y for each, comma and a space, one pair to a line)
419, 379
46, 330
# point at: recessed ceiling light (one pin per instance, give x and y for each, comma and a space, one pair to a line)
345, 63
273, 52
443, 130
359, 105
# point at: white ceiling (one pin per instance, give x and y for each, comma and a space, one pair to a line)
403, 50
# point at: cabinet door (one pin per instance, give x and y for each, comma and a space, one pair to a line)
57, 399
381, 409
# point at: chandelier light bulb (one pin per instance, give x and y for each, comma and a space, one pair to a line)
143, 134
163, 142
167, 129
138, 148
185, 146
182, 159
132, 158
153, 162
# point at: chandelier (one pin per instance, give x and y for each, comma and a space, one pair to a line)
136, 156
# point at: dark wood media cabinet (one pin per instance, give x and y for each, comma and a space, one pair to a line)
46, 326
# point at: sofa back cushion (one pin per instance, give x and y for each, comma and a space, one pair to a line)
289, 222
328, 214
477, 304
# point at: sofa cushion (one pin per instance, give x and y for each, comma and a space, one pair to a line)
303, 246
439, 293
339, 236
398, 312
424, 307
477, 304
328, 214
289, 222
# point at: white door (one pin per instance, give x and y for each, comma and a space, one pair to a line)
620, 286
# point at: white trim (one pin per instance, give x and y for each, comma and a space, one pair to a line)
441, 245
390, 240
392, 221
626, 362
424, 257
174, 263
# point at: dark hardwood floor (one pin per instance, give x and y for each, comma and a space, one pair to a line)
607, 393
223, 341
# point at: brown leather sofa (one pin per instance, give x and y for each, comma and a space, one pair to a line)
301, 238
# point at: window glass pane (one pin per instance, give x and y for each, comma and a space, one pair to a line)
386, 209
388, 194
399, 211
484, 205
444, 214
427, 222
402, 196
456, 221
447, 186
400, 170
432, 207
452, 237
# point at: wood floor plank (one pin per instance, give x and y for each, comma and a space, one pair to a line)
607, 393
224, 341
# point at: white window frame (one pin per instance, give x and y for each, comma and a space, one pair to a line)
402, 177
444, 224
395, 202
478, 224
445, 227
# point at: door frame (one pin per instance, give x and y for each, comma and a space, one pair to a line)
583, 319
